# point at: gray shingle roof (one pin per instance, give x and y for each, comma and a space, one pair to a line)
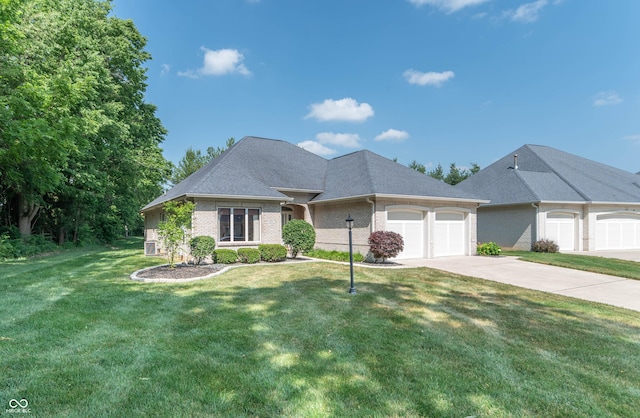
252, 168
546, 174
364, 173
260, 168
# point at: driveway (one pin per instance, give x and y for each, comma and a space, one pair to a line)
616, 291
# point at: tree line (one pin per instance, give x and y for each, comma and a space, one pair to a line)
79, 145
453, 177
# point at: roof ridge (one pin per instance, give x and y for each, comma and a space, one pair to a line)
367, 157
515, 170
560, 176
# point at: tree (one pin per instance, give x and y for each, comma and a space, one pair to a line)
194, 160
79, 147
299, 235
437, 173
173, 231
453, 177
417, 166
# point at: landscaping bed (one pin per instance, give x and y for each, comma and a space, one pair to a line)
180, 271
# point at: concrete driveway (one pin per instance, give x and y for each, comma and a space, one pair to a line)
616, 291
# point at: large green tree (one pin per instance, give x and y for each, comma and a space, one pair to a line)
79, 146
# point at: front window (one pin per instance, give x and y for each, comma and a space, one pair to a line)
238, 224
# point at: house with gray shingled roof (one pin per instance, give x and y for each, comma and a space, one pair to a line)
539, 192
244, 197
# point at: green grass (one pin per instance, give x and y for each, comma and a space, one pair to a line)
611, 266
78, 339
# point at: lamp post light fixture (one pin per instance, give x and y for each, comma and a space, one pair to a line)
349, 221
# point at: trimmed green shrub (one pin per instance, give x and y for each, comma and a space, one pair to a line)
272, 252
488, 248
248, 255
385, 244
202, 247
225, 256
334, 255
299, 236
545, 246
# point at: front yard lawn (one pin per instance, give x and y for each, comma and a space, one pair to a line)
78, 338
603, 265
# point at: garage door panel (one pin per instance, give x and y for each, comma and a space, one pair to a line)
618, 232
562, 232
410, 226
449, 234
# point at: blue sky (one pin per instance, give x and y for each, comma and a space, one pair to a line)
436, 81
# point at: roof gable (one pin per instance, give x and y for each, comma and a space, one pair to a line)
364, 173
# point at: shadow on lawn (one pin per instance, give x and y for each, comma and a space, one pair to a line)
290, 340
421, 347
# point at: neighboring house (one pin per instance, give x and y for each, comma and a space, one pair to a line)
245, 196
540, 192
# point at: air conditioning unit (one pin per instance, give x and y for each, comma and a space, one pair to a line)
150, 248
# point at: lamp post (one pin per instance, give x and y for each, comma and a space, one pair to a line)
349, 221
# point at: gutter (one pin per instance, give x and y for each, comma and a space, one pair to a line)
373, 214
399, 196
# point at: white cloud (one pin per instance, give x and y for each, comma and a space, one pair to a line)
431, 78
165, 69
392, 135
346, 109
449, 6
219, 62
316, 148
343, 140
529, 12
633, 138
606, 98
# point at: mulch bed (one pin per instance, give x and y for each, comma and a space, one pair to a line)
190, 271
180, 271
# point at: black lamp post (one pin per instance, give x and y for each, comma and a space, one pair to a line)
349, 221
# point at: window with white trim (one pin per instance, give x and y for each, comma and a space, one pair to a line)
238, 224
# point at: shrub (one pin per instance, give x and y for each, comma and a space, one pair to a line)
201, 247
334, 255
272, 252
385, 244
225, 256
545, 246
488, 248
248, 255
299, 236
6, 249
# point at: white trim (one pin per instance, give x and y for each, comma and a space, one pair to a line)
402, 196
239, 197
286, 189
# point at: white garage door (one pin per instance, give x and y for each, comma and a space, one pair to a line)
449, 234
618, 231
410, 225
561, 229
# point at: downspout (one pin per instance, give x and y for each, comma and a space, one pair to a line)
373, 214
537, 237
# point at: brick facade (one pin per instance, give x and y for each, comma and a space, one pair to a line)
328, 220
